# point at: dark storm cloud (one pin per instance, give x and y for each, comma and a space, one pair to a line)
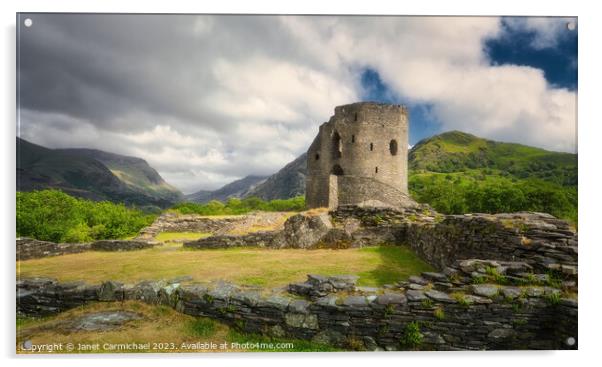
100, 67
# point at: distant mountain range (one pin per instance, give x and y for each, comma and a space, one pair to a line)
93, 174
448, 152
99, 175
286, 183
237, 189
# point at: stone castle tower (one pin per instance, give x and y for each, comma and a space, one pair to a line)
360, 156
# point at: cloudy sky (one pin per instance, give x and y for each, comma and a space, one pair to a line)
209, 99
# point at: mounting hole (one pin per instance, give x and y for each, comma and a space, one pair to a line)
28, 22
571, 26
570, 341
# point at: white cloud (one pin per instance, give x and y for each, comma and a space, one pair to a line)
440, 61
208, 99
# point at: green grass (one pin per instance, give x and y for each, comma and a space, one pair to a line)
202, 327
298, 345
392, 264
376, 266
172, 236
159, 324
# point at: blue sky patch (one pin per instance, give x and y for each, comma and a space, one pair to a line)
559, 63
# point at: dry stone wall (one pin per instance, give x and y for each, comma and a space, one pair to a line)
28, 248
300, 231
433, 311
539, 239
174, 222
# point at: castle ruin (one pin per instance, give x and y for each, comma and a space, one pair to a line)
360, 157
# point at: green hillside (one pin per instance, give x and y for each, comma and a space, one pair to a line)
459, 173
133, 172
456, 151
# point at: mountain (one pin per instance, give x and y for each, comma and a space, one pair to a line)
92, 174
201, 196
286, 183
236, 189
134, 172
452, 152
457, 173
456, 151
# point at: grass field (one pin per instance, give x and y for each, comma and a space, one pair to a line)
163, 328
254, 266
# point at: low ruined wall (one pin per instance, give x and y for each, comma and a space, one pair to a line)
305, 231
120, 245
540, 240
434, 311
173, 222
300, 231
257, 239
544, 242
29, 248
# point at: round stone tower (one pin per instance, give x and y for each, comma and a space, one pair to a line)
360, 155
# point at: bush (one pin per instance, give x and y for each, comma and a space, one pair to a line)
237, 206
412, 337
52, 215
468, 193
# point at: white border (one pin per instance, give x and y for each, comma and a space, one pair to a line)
589, 182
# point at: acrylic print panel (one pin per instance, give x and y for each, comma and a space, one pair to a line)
218, 183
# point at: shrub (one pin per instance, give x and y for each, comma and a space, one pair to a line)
237, 206
493, 193
411, 338
52, 215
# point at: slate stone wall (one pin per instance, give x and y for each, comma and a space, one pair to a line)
434, 311
539, 239
29, 248
173, 222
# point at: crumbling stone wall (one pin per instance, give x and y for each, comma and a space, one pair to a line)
539, 239
174, 222
121, 245
367, 140
29, 248
434, 311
